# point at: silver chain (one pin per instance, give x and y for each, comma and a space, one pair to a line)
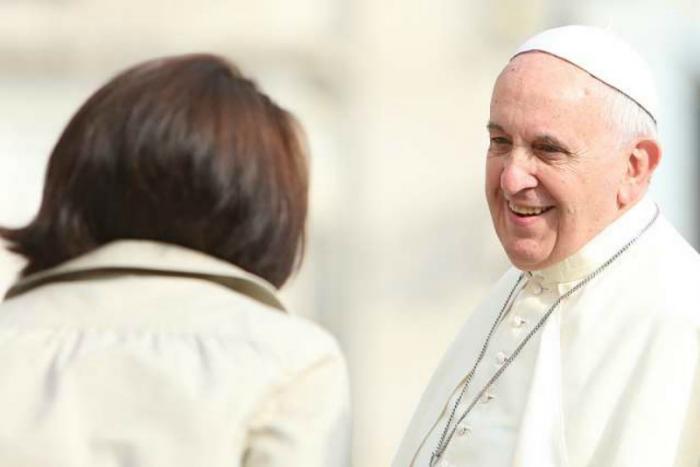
448, 433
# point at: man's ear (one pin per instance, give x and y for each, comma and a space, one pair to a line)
642, 160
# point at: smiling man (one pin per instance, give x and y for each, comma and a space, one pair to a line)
586, 352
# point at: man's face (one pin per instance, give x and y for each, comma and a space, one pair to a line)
554, 165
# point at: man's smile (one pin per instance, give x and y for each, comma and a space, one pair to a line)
522, 210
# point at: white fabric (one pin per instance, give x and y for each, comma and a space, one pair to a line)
602, 54
613, 378
10, 266
165, 371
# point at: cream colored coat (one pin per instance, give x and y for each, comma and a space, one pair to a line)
611, 380
165, 370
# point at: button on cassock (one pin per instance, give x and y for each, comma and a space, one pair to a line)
501, 358
463, 429
518, 322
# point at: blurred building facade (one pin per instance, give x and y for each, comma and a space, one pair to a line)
394, 98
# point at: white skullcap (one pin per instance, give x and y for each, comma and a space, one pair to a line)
603, 55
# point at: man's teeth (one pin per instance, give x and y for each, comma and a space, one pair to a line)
526, 211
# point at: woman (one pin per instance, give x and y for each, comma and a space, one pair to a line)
145, 330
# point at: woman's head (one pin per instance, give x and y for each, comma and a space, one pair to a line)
183, 150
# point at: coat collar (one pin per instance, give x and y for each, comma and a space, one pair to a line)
142, 257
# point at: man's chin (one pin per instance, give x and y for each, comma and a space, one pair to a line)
527, 258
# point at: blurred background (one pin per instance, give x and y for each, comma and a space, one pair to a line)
394, 97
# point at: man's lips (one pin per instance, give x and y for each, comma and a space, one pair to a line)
522, 210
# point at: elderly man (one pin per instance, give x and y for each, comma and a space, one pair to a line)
587, 352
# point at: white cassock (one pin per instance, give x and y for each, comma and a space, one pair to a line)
611, 380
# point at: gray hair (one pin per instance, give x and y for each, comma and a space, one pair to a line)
627, 117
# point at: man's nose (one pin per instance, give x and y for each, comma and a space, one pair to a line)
518, 173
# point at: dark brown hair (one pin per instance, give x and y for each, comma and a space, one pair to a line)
183, 150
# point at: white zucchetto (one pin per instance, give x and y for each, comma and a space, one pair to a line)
603, 55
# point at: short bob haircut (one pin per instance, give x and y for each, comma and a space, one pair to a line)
182, 150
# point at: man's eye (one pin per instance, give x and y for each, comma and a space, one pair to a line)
499, 145
499, 141
549, 148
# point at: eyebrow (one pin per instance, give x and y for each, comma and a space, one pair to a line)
494, 127
543, 138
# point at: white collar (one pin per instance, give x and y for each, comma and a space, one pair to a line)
604, 245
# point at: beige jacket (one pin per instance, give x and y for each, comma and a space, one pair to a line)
183, 360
